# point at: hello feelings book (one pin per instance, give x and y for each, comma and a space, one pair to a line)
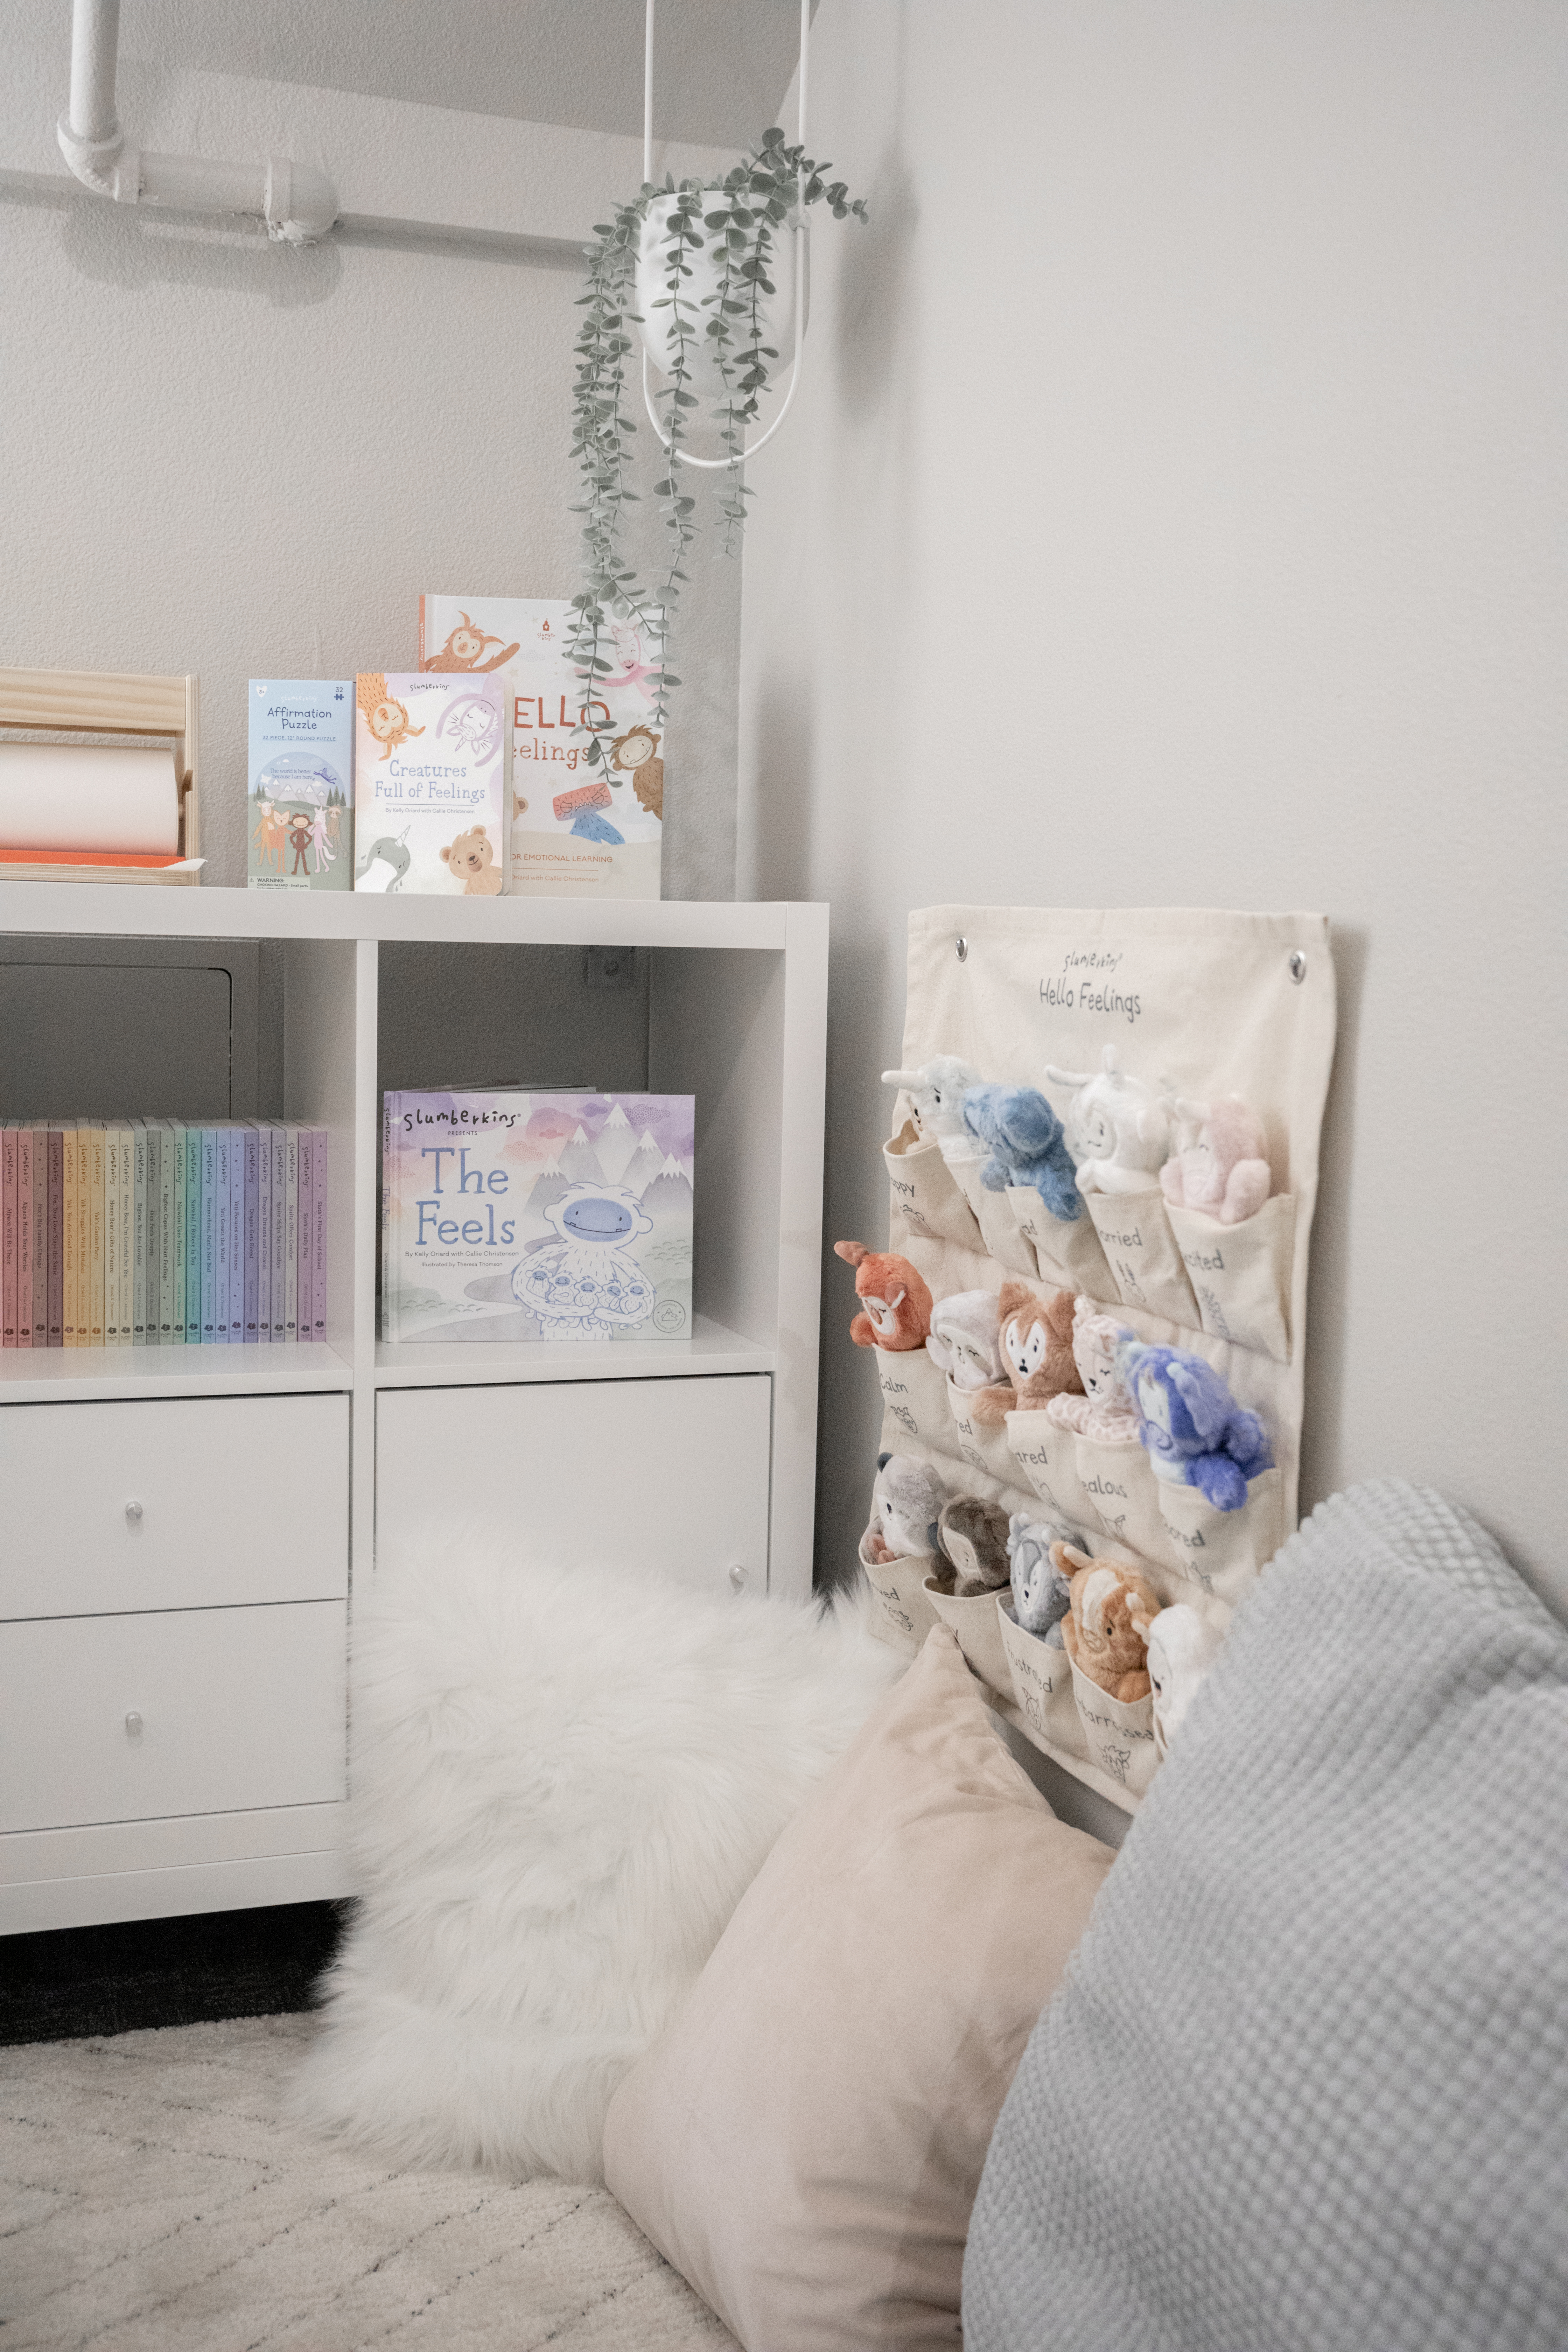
575, 830
556, 1217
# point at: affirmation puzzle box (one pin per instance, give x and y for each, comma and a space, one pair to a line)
526, 1216
576, 831
301, 805
429, 784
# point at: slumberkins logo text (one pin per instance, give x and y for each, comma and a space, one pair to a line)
1086, 983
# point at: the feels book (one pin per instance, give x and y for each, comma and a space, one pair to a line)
523, 1216
575, 830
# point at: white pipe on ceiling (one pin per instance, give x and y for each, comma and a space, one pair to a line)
297, 203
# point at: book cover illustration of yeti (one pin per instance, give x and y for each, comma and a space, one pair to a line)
301, 784
576, 831
429, 784
549, 1217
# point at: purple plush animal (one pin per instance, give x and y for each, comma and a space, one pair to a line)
1194, 1432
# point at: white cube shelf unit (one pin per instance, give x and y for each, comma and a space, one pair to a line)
174, 1677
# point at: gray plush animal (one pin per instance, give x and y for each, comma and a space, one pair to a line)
972, 1536
1041, 1592
905, 1503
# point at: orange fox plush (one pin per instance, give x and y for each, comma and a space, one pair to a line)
896, 1300
1036, 1338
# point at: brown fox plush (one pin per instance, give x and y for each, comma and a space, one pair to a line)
1036, 1338
896, 1300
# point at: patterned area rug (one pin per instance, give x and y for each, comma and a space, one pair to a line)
151, 2201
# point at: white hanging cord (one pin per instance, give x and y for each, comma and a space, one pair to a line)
647, 96
798, 230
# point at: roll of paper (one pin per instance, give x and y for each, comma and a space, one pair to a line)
86, 796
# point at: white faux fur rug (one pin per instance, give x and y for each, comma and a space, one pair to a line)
563, 1779
152, 2201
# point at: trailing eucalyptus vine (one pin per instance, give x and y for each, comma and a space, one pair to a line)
739, 221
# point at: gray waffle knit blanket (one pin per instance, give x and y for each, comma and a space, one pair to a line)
1305, 2086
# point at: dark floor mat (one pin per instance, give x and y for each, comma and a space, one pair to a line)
68, 1982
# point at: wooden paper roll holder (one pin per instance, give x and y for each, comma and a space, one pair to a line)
95, 703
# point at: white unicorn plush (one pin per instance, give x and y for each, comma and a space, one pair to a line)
1118, 1127
936, 1097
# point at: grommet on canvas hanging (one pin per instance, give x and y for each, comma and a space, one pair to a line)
1298, 966
961, 950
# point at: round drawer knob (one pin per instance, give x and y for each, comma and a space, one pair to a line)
133, 1513
737, 1576
133, 1726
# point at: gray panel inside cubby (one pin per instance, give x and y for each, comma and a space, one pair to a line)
119, 1028
476, 1014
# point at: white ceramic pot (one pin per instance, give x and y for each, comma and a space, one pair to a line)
699, 289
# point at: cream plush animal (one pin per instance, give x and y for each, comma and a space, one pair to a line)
1118, 1127
963, 1339
1105, 1411
1100, 1631
936, 1099
1181, 1649
1220, 1164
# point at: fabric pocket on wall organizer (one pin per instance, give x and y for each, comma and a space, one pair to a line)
1220, 1552
1067, 1255
1119, 1734
965, 1168
1240, 1274
904, 1615
982, 1445
924, 1192
1004, 1242
914, 1394
1040, 1678
1043, 1451
1119, 1488
1141, 1250
973, 1617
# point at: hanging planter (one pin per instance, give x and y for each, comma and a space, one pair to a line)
706, 283
664, 323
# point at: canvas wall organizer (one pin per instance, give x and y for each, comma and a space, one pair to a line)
1089, 1323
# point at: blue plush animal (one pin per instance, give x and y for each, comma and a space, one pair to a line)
1196, 1432
1027, 1145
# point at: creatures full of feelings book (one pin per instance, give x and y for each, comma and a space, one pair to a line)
515, 1215
430, 784
301, 805
576, 831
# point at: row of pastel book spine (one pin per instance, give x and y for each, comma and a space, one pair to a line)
160, 1233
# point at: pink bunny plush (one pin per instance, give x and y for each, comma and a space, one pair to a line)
1220, 1166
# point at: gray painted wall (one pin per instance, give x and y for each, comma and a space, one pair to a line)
1176, 516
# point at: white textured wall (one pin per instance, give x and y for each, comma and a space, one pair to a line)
1177, 517
227, 457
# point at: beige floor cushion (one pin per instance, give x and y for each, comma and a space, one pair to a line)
806, 2142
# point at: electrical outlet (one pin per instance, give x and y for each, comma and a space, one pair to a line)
609, 967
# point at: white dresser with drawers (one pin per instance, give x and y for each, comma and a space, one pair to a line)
183, 1529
